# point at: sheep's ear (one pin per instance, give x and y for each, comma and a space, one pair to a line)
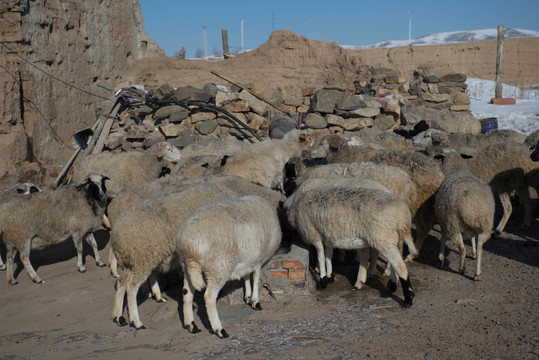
304, 137
334, 143
224, 159
83, 184
439, 157
466, 156
34, 189
20, 191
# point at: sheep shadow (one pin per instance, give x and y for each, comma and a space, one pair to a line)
64, 251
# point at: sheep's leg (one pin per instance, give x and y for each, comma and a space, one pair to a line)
364, 255
473, 240
133, 285
90, 239
254, 298
155, 289
247, 289
328, 252
113, 264
524, 195
10, 258
462, 252
481, 239
398, 267
117, 312
188, 316
373, 261
210, 299
441, 254
25, 259
422, 228
2, 264
321, 265
507, 209
77, 241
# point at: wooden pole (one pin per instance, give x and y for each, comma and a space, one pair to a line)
224, 36
499, 64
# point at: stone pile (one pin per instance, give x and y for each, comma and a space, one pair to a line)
378, 104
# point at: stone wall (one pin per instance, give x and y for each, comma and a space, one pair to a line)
376, 102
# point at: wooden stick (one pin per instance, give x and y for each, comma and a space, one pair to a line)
106, 130
277, 107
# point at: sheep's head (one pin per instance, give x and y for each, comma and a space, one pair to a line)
96, 189
26, 188
168, 152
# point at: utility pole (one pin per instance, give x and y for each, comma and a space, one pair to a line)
242, 35
499, 64
410, 29
204, 31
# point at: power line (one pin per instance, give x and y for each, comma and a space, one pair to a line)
50, 75
47, 121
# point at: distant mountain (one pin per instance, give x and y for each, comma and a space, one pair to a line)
451, 37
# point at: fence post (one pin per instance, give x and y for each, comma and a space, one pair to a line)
498, 93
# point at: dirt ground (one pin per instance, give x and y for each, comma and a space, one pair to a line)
453, 317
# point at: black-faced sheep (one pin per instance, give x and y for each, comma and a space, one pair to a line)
50, 217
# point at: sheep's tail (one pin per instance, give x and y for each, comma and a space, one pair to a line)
406, 235
194, 271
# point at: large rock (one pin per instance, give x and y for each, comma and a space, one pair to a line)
323, 101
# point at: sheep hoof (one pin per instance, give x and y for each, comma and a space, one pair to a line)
193, 328
13, 282
222, 334
141, 327
120, 321
331, 278
161, 300
477, 277
257, 306
407, 303
496, 233
390, 289
101, 264
323, 283
409, 258
82, 270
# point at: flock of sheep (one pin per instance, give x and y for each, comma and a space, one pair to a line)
221, 213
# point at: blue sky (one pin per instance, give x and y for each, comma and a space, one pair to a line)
176, 23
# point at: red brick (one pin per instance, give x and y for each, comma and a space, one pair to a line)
503, 101
279, 274
296, 274
275, 265
293, 264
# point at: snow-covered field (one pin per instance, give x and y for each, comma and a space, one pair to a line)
523, 116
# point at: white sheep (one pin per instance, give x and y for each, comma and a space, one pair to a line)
209, 148
366, 257
263, 163
465, 208
222, 241
376, 139
424, 171
127, 169
49, 217
436, 140
395, 179
354, 218
142, 236
502, 165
